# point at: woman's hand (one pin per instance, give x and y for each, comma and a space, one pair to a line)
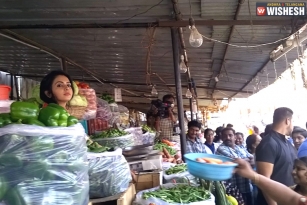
244, 169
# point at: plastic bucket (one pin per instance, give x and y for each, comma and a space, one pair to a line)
4, 92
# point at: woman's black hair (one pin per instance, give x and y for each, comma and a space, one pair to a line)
207, 131
250, 140
300, 130
46, 85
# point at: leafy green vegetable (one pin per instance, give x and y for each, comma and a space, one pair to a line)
111, 133
179, 168
182, 194
159, 146
95, 147
145, 129
107, 98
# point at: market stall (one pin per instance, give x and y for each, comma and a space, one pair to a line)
103, 160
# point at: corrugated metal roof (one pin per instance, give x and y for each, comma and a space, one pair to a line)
119, 54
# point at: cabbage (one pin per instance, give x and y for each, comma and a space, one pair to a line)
78, 100
76, 89
35, 94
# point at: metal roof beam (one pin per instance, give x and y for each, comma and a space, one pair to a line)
240, 2
180, 23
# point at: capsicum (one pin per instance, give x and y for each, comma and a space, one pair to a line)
53, 115
33, 122
3, 187
23, 111
72, 121
5, 119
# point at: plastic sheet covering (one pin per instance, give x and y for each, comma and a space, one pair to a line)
103, 110
109, 173
41, 165
91, 109
122, 109
139, 138
139, 198
5, 106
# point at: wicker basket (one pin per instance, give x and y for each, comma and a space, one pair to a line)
77, 111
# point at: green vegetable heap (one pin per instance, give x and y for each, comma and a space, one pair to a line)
29, 113
107, 98
95, 147
113, 138
182, 194
111, 133
159, 146
179, 168
145, 129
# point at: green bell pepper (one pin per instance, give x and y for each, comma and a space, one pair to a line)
23, 111
53, 115
3, 187
5, 119
33, 122
72, 121
13, 196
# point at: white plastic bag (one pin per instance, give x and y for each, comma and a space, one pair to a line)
139, 198
109, 173
45, 165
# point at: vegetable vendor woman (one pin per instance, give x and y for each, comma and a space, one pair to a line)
56, 87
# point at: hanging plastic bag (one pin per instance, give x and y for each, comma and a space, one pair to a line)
109, 174
103, 110
91, 109
41, 165
140, 200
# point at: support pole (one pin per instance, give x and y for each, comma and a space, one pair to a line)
16, 88
176, 57
63, 64
191, 108
12, 87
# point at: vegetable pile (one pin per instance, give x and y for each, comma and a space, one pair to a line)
108, 175
107, 98
95, 147
29, 113
161, 146
179, 168
182, 194
36, 160
145, 129
113, 138
111, 133
212, 161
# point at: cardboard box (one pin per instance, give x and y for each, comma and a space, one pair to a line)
148, 180
150, 163
124, 198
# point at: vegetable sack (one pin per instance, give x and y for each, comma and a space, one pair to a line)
157, 201
41, 165
178, 173
109, 173
113, 138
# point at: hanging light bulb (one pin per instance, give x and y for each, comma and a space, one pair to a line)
154, 91
183, 68
188, 94
196, 39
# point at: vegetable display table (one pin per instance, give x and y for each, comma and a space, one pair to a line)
124, 198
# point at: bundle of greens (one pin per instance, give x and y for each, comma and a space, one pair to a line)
183, 194
159, 146
179, 168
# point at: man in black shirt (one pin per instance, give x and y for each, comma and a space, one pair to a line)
275, 155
